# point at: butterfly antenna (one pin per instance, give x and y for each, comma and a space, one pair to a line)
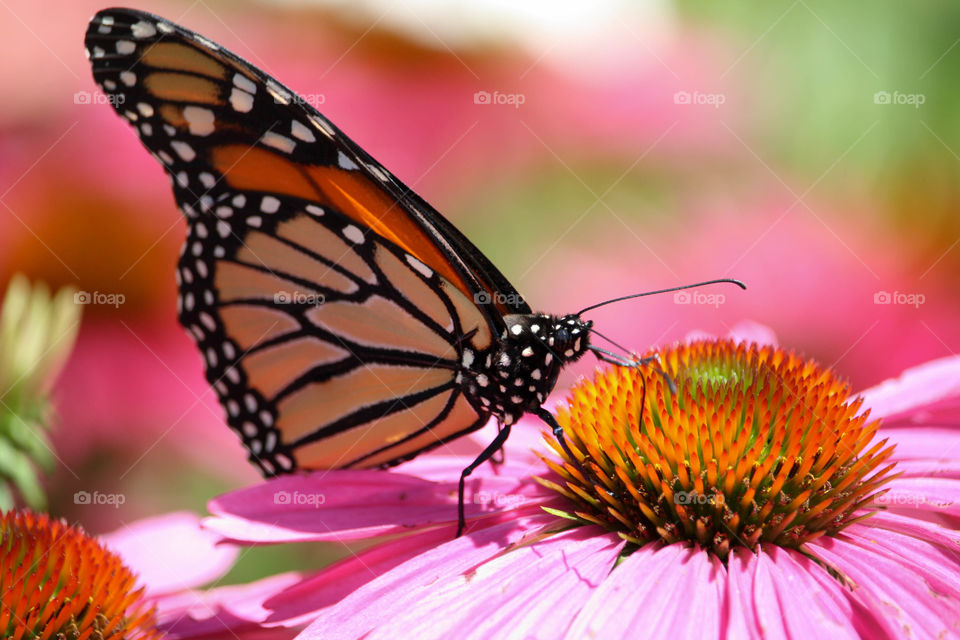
650, 293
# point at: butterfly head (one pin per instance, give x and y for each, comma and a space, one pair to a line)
570, 337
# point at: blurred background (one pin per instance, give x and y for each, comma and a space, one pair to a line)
592, 150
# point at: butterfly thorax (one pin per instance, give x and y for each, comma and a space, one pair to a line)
517, 376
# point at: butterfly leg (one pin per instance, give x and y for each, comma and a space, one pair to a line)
485, 455
500, 456
547, 417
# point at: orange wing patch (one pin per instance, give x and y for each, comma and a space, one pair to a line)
350, 192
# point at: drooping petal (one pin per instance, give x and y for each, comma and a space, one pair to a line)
532, 591
779, 593
195, 558
933, 387
390, 595
673, 591
910, 581
348, 505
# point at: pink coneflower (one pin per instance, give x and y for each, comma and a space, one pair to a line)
760, 500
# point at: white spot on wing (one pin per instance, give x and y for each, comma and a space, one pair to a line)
128, 78
244, 83
241, 100
345, 162
126, 47
143, 29
199, 120
145, 109
353, 234
279, 142
183, 150
300, 130
424, 270
314, 210
269, 204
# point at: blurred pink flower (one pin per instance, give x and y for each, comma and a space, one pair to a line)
523, 569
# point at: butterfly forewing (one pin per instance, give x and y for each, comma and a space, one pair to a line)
333, 307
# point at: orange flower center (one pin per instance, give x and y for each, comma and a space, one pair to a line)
757, 445
58, 583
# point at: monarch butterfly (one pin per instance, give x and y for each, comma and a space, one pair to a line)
344, 323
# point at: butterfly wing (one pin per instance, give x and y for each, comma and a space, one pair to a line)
333, 306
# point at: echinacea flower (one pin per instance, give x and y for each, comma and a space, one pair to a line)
56, 582
760, 500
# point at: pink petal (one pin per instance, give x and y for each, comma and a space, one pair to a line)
300, 603
666, 591
934, 385
779, 593
225, 610
534, 591
923, 442
750, 331
907, 580
347, 504
390, 595
912, 526
936, 496
171, 552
